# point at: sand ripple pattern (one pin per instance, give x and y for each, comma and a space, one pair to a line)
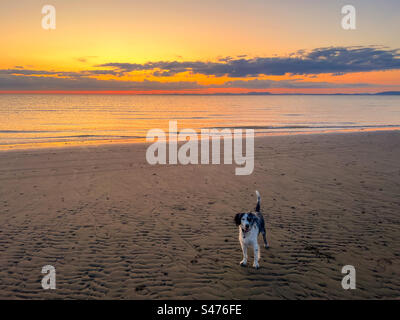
116, 228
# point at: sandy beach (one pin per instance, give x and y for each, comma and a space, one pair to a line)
115, 227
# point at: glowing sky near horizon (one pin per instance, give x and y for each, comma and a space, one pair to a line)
91, 33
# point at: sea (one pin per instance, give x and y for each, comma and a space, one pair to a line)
54, 120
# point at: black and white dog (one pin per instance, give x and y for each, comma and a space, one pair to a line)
251, 224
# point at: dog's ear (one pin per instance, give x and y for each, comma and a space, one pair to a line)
238, 218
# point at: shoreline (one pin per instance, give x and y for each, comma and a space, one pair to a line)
141, 141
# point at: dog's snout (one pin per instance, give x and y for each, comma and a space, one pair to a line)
247, 225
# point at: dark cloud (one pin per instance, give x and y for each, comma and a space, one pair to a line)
334, 60
81, 74
18, 82
289, 84
15, 82
124, 67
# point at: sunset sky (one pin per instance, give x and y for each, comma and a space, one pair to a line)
167, 46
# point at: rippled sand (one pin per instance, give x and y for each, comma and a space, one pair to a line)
117, 228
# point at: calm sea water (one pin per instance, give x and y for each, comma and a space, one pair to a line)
28, 121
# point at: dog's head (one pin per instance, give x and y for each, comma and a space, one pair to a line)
245, 220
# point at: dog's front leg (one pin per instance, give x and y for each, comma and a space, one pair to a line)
256, 256
243, 263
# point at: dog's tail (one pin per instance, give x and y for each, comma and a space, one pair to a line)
258, 201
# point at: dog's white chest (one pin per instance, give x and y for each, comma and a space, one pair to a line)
248, 238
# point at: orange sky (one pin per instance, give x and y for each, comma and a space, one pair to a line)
90, 33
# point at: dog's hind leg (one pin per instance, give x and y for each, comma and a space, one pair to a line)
243, 263
264, 235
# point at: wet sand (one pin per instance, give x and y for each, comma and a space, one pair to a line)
115, 227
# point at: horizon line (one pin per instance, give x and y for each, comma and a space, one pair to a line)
160, 92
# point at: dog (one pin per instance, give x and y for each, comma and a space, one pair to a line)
251, 224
